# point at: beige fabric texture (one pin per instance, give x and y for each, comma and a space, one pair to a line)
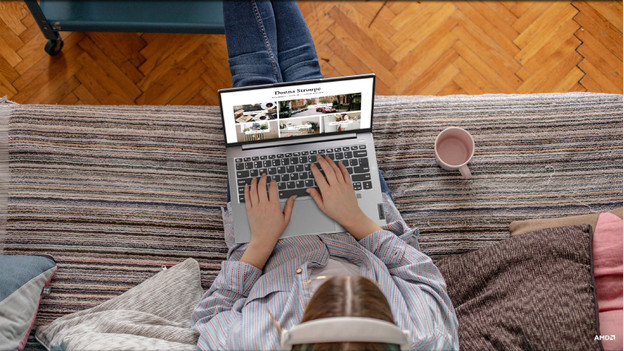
521, 227
155, 315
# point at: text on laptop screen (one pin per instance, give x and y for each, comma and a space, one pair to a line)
297, 110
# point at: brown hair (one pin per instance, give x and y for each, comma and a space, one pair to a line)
347, 297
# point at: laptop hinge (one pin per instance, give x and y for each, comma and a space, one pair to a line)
282, 142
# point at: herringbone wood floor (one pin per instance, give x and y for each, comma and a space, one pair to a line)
428, 48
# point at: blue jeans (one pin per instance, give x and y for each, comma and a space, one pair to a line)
269, 42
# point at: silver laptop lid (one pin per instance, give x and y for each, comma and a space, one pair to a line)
301, 109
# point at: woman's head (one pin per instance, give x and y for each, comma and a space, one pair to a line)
347, 296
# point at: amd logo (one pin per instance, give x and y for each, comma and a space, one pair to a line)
604, 337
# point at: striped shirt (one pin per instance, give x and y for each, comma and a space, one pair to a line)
234, 313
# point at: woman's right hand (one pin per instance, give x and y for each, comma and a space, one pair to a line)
337, 198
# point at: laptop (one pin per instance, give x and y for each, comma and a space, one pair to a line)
279, 129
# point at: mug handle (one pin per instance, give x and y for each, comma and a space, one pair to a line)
465, 172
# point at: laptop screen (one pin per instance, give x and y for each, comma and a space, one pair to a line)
297, 109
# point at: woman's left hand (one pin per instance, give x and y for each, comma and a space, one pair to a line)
267, 221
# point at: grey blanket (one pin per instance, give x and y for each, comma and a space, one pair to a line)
154, 315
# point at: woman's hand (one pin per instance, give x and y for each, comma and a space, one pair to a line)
267, 221
337, 198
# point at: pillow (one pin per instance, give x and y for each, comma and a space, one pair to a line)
22, 281
154, 315
519, 227
608, 274
607, 251
531, 292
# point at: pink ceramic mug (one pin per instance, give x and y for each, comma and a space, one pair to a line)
454, 147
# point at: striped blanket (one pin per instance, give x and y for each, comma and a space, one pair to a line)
114, 193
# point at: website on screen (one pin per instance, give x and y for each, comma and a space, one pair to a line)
299, 110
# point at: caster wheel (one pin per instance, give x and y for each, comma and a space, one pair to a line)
53, 47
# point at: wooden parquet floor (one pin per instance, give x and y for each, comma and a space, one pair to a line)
425, 48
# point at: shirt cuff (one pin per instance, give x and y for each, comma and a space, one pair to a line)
237, 277
386, 245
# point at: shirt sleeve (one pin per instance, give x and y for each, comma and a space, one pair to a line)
218, 313
423, 289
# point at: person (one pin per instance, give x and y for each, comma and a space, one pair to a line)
273, 284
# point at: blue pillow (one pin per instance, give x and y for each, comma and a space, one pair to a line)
22, 279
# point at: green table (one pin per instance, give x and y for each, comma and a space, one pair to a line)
157, 16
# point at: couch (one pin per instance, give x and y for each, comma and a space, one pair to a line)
118, 194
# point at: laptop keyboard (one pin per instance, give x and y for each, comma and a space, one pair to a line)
292, 172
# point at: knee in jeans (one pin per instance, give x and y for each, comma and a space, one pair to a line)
300, 63
253, 69
302, 53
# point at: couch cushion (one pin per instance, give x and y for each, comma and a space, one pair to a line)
520, 227
533, 291
22, 279
608, 274
607, 254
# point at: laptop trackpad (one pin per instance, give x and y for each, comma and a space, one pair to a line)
308, 219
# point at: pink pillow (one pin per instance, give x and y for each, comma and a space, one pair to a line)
608, 274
